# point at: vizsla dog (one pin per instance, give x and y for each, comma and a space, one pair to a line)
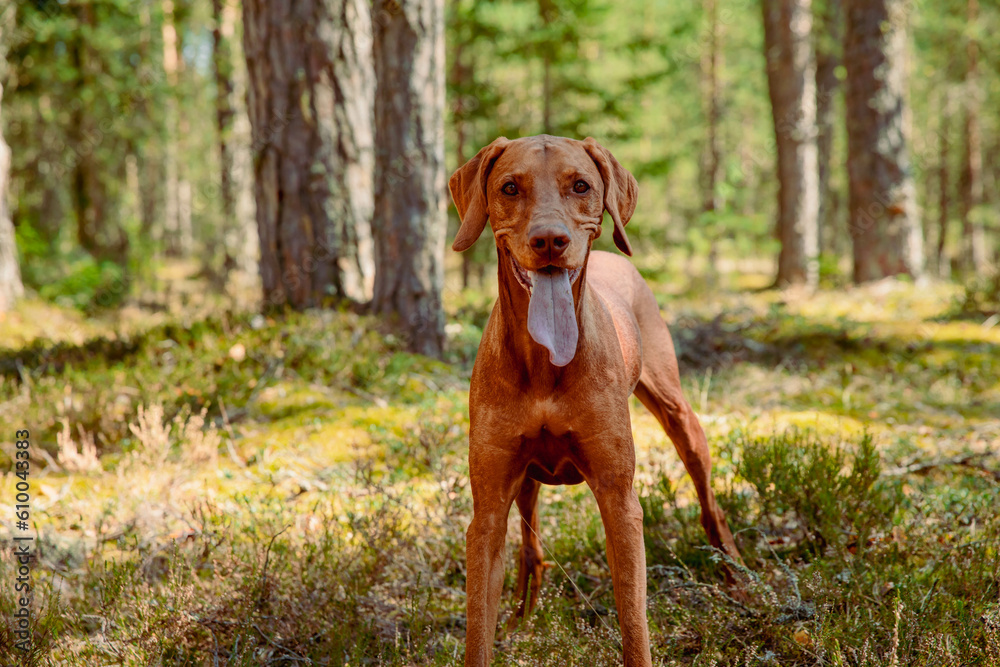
571, 336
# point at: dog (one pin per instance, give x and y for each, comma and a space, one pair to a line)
572, 334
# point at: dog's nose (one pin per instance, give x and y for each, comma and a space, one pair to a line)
549, 241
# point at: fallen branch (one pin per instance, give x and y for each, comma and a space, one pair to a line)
973, 461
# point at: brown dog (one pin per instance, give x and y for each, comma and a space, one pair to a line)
572, 334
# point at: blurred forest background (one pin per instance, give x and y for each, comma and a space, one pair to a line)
138, 135
230, 322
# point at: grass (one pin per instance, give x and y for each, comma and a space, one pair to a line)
240, 490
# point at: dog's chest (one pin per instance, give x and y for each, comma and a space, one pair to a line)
546, 416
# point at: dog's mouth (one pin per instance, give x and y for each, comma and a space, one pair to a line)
527, 279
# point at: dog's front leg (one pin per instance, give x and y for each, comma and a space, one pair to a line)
621, 514
495, 480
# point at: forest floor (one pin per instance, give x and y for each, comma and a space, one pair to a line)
234, 489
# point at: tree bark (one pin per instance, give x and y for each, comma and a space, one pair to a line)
827, 37
791, 80
222, 63
310, 102
246, 244
711, 158
460, 75
944, 181
713, 104
886, 235
232, 125
180, 141
97, 228
549, 13
11, 288
149, 155
410, 198
171, 159
973, 236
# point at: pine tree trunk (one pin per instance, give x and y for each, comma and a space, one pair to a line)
311, 89
239, 230
792, 86
97, 228
171, 159
883, 213
944, 181
11, 288
548, 12
827, 38
246, 244
711, 159
148, 155
222, 64
710, 67
180, 140
973, 236
460, 75
409, 171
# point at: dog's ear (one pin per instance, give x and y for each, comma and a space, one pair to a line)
620, 190
468, 190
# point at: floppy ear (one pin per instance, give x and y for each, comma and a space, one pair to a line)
468, 190
620, 190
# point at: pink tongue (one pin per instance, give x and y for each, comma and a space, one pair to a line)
551, 316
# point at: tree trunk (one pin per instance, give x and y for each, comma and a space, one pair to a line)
97, 230
792, 87
232, 125
181, 130
711, 159
310, 102
409, 170
943, 265
827, 38
245, 244
883, 217
460, 75
710, 67
222, 63
11, 288
991, 196
171, 159
973, 236
149, 155
549, 13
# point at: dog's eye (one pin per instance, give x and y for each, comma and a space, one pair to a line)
509, 189
580, 187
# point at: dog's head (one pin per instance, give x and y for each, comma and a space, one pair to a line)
545, 198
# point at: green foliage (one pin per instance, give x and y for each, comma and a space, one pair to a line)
86, 114
87, 283
981, 296
852, 557
630, 76
831, 494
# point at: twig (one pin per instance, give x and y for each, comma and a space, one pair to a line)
50, 463
275, 644
965, 460
377, 400
570, 579
233, 454
267, 560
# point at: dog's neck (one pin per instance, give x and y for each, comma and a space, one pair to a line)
512, 310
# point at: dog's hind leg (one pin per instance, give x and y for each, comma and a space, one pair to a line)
531, 566
659, 389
